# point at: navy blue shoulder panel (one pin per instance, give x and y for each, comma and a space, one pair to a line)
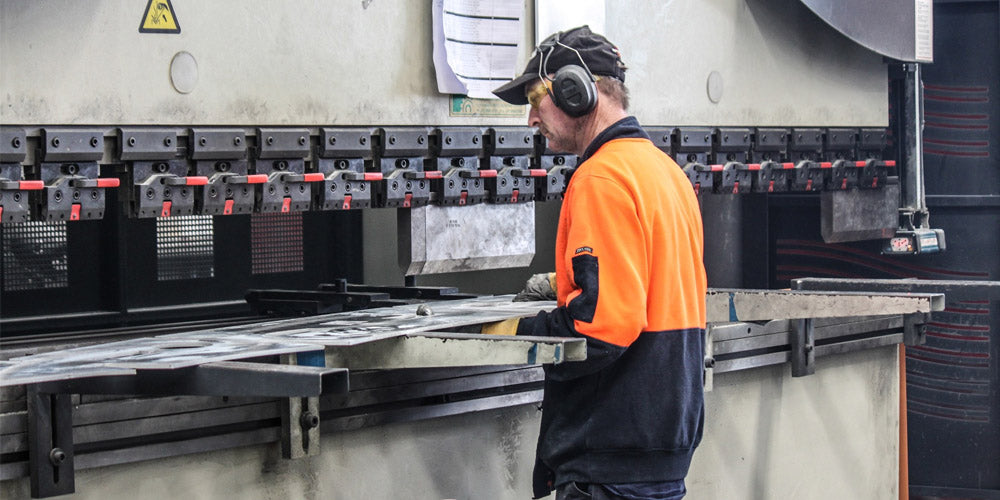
625, 128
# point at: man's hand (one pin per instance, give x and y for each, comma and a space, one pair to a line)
539, 287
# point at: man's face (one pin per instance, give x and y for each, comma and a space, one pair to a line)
558, 128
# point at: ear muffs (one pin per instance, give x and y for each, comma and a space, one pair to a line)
574, 90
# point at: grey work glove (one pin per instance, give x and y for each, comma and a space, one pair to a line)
539, 287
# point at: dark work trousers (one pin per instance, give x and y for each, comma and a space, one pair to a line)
583, 491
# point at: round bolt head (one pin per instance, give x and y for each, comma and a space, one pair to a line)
57, 456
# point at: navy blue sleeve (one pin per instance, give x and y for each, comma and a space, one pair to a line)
558, 323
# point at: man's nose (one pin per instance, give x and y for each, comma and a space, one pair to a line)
533, 119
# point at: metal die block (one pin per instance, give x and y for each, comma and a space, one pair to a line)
279, 144
457, 151
508, 142
693, 145
514, 184
347, 143
220, 156
146, 144
71, 191
217, 144
559, 166
556, 178
840, 144
407, 142
288, 188
429, 350
402, 152
15, 193
13, 145
844, 175
71, 145
458, 142
731, 145
50, 443
406, 187
342, 155
663, 138
876, 173
770, 177
702, 177
733, 177
805, 144
770, 144
346, 185
872, 142
162, 188
229, 190
807, 176
462, 182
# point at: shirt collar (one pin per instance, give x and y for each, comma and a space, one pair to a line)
627, 127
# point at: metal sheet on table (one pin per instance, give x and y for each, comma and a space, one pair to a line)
351, 328
270, 338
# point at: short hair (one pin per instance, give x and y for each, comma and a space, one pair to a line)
615, 89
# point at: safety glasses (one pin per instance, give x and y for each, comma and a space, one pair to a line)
537, 93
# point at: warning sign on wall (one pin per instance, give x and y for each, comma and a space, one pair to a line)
159, 18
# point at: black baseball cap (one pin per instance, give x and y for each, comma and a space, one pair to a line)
561, 49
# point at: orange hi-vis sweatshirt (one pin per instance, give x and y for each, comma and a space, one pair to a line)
631, 281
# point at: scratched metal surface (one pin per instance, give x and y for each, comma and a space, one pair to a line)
269, 338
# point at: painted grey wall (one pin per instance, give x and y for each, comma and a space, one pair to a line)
369, 63
832, 435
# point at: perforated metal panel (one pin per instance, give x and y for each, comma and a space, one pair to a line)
185, 247
35, 256
276, 243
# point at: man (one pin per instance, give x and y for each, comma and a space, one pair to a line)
629, 279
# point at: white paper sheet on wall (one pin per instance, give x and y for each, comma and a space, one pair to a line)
476, 44
552, 16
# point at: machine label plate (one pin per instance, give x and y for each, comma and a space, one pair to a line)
471, 107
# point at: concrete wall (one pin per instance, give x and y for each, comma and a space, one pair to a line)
832, 435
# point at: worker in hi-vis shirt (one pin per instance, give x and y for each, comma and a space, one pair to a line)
629, 279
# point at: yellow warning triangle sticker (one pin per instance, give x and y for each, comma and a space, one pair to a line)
159, 18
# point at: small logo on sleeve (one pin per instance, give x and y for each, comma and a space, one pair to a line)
584, 249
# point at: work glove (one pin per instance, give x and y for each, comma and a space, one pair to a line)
505, 327
539, 287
